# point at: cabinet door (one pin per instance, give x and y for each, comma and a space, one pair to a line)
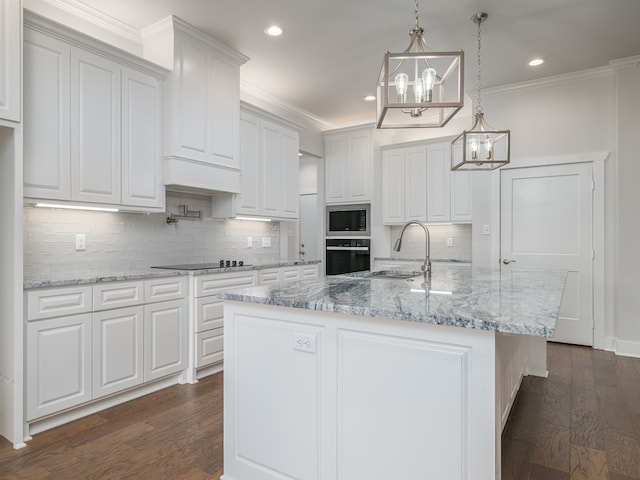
10, 22
393, 194
189, 107
415, 184
336, 158
58, 364
165, 338
46, 119
142, 181
209, 347
247, 202
272, 171
360, 167
461, 196
95, 128
117, 350
290, 185
224, 111
438, 183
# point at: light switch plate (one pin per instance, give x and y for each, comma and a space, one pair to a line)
81, 241
266, 242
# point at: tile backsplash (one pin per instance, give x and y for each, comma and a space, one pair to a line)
413, 242
118, 242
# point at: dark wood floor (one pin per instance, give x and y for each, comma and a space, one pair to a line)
583, 422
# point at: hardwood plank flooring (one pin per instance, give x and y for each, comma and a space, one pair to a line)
588, 425
582, 423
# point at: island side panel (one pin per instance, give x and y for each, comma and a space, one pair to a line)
379, 397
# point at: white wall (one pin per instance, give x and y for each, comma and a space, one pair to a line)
627, 244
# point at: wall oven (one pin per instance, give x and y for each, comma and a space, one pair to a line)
347, 255
348, 220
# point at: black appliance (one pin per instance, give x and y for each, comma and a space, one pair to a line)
346, 255
348, 220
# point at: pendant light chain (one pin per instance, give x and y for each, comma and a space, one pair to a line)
417, 26
479, 106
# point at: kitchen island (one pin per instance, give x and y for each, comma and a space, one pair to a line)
378, 375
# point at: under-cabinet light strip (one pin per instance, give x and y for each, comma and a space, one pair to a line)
76, 207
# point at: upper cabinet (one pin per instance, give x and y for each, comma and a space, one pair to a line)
270, 166
92, 121
10, 21
418, 184
348, 165
404, 179
203, 106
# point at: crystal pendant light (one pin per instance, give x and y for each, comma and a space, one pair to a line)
482, 147
419, 87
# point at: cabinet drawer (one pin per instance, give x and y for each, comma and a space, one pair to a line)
116, 295
166, 288
209, 313
289, 274
57, 302
210, 284
209, 347
269, 276
310, 271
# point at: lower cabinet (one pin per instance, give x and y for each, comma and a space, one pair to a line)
165, 338
101, 340
117, 350
58, 364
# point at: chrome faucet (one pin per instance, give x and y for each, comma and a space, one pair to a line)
426, 266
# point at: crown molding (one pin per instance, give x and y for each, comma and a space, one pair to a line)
97, 18
628, 62
254, 91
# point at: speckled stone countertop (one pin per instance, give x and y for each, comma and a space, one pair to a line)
144, 273
515, 301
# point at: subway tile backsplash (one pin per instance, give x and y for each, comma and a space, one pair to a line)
118, 242
413, 242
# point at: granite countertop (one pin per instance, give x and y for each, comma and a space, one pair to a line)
144, 273
508, 300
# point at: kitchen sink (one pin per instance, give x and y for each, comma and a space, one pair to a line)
394, 275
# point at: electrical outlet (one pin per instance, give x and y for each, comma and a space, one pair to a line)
304, 342
486, 229
449, 241
249, 242
266, 242
81, 241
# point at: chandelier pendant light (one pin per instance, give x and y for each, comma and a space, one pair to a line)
482, 147
419, 88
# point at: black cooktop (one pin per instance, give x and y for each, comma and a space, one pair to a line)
195, 266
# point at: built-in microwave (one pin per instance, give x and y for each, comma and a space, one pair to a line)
349, 220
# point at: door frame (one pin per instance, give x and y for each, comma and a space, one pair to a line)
597, 159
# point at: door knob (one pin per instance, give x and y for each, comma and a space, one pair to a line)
507, 262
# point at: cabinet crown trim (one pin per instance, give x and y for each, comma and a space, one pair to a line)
78, 39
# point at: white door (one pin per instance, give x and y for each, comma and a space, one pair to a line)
308, 227
546, 222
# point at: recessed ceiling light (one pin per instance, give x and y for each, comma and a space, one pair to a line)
536, 61
273, 31
369, 98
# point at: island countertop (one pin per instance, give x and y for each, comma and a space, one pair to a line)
503, 299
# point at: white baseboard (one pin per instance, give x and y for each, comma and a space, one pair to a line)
624, 348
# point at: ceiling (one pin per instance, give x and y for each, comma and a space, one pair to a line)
331, 51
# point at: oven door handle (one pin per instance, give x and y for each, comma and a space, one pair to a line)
348, 249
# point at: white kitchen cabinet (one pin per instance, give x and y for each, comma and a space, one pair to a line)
203, 102
165, 338
10, 65
404, 190
47, 117
87, 342
209, 314
461, 197
58, 364
438, 183
92, 121
95, 128
348, 165
117, 350
270, 166
142, 179
309, 272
